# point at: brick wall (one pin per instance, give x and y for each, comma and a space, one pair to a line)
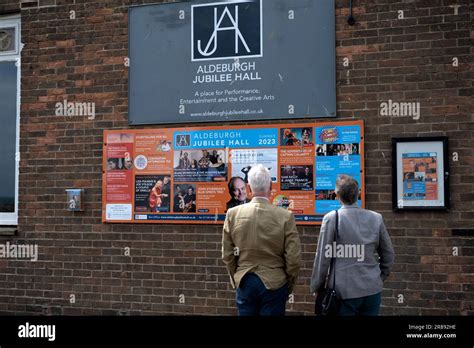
9, 6
81, 59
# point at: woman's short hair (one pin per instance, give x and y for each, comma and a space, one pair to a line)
347, 189
259, 179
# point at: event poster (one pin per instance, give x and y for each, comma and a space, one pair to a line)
338, 151
194, 175
420, 176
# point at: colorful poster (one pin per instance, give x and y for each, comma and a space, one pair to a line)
188, 175
339, 150
420, 176
119, 168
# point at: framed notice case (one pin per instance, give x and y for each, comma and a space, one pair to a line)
420, 169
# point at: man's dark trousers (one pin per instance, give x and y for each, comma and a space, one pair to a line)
254, 299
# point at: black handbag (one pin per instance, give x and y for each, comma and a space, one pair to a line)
326, 300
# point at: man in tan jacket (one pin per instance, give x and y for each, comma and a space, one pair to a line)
261, 249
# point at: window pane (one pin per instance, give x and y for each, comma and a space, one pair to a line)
8, 105
7, 40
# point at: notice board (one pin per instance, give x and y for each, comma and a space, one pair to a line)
193, 175
231, 60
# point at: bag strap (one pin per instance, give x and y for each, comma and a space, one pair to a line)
333, 259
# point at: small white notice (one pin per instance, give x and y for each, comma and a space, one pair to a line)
118, 212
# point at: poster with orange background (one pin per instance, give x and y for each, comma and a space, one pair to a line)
194, 175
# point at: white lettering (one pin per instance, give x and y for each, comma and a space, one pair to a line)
345, 251
37, 331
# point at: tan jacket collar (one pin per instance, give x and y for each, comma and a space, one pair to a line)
259, 200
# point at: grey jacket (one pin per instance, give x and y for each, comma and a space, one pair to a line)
359, 271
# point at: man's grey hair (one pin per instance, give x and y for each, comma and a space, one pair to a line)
259, 179
347, 189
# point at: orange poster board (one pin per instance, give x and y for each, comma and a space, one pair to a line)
193, 175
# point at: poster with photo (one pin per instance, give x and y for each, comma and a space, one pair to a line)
152, 193
296, 136
118, 167
244, 160
206, 165
195, 175
338, 150
421, 173
296, 178
420, 177
184, 200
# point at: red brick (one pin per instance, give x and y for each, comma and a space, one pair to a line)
390, 59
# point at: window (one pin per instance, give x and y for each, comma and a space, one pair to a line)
9, 118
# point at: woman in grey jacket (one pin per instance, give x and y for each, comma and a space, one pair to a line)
359, 272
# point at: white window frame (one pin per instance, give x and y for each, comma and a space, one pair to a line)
11, 219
